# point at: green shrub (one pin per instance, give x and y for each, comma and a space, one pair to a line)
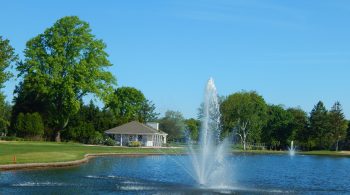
11, 138
109, 142
134, 144
83, 132
29, 125
95, 138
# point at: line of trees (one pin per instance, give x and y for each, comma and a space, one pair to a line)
67, 62
250, 120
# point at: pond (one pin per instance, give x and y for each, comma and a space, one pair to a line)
164, 174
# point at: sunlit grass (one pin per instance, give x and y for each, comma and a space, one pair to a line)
30, 152
37, 152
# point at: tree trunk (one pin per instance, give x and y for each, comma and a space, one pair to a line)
60, 128
58, 136
337, 145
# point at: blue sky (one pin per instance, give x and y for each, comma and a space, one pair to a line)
291, 52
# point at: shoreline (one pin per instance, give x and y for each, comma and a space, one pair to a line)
19, 155
87, 157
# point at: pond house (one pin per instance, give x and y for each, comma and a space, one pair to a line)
147, 134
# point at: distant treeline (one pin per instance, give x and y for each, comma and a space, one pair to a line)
67, 62
248, 120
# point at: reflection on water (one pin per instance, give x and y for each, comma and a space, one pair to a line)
252, 174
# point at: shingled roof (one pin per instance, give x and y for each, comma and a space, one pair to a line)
134, 127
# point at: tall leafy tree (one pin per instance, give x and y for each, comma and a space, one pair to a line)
130, 104
319, 127
193, 125
64, 64
338, 123
173, 123
278, 128
299, 127
7, 58
244, 113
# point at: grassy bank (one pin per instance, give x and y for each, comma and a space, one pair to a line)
39, 152
318, 152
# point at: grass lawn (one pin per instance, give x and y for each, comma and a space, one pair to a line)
327, 152
34, 152
317, 152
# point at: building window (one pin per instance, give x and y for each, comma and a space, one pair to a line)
139, 137
130, 138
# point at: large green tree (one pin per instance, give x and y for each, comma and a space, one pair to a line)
130, 104
173, 123
338, 124
7, 58
193, 125
278, 129
244, 113
299, 127
64, 64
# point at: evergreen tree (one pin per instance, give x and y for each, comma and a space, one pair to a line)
338, 124
320, 136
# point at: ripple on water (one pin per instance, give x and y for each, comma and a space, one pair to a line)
33, 184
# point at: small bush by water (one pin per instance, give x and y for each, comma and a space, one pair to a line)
134, 144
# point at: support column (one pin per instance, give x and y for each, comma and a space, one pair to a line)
121, 139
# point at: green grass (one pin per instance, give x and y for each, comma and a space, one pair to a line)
34, 152
260, 151
327, 152
317, 152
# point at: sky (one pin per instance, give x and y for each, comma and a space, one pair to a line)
293, 53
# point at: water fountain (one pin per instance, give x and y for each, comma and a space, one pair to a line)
291, 149
209, 157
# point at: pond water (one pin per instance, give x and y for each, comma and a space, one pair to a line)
251, 174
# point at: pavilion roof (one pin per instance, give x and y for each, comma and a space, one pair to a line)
134, 127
